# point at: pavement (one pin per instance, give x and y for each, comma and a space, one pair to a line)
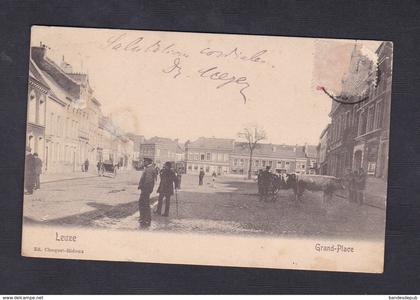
48, 177
230, 206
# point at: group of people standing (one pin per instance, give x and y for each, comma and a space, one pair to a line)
201, 175
169, 182
356, 183
33, 170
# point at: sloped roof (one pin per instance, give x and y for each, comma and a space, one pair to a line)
158, 140
271, 150
36, 74
79, 77
212, 143
69, 86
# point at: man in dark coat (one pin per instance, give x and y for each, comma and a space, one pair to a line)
360, 183
86, 165
166, 188
146, 185
200, 177
259, 181
38, 171
266, 179
29, 171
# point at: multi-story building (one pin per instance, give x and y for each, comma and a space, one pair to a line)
359, 133
161, 150
344, 117
74, 127
311, 158
322, 160
137, 141
372, 136
63, 115
209, 154
281, 158
37, 97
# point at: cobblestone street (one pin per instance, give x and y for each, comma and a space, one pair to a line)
230, 206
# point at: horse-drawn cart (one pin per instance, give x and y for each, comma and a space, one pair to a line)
107, 168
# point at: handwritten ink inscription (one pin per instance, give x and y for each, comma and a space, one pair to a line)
176, 70
214, 74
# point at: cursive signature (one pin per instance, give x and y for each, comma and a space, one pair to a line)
225, 78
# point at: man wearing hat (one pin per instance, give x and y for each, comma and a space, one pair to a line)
265, 179
146, 185
166, 188
29, 171
38, 171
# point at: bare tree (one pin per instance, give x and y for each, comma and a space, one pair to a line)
253, 135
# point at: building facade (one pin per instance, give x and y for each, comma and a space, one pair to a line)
37, 98
359, 133
209, 154
161, 150
280, 158
344, 117
372, 137
71, 121
323, 151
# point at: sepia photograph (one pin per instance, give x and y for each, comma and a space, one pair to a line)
238, 150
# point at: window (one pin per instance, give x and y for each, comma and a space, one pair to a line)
32, 107
207, 169
257, 163
58, 126
347, 124
67, 133
189, 167
41, 110
226, 157
241, 162
195, 167
303, 167
220, 156
362, 123
202, 156
370, 118
379, 114
50, 124
208, 156
235, 162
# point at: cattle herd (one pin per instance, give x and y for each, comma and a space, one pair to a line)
269, 185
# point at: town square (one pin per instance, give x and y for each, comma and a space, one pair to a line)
105, 149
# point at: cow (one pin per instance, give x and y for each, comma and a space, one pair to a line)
299, 183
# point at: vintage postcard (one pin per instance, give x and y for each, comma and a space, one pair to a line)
207, 149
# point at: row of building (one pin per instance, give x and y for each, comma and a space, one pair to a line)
65, 125
227, 157
358, 135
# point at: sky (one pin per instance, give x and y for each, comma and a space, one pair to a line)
188, 85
